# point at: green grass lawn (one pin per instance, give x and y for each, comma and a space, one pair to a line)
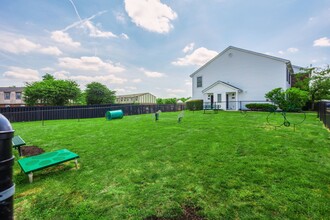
227, 165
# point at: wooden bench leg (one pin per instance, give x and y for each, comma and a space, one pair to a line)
76, 162
30, 177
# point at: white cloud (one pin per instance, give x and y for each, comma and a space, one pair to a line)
121, 91
292, 50
199, 57
22, 74
322, 42
104, 79
152, 74
19, 45
120, 17
51, 51
188, 48
289, 50
47, 69
151, 15
131, 87
124, 36
89, 64
175, 91
95, 31
62, 37
136, 80
88, 25
188, 82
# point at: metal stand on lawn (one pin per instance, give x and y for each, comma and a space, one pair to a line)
285, 122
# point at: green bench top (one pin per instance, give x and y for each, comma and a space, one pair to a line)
17, 141
38, 162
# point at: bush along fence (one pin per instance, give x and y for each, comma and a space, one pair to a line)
41, 113
324, 112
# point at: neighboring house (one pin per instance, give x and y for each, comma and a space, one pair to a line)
236, 77
11, 96
141, 98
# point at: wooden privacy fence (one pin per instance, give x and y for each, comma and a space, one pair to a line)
40, 113
324, 112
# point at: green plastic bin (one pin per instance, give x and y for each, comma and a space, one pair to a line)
109, 115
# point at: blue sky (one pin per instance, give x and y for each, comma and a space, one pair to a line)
135, 46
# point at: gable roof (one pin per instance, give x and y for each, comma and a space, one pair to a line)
223, 83
245, 51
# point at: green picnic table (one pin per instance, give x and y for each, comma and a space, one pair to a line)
17, 142
41, 161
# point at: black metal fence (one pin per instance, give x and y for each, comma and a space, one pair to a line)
324, 112
231, 105
41, 113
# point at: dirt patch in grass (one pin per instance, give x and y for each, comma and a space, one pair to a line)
31, 150
189, 213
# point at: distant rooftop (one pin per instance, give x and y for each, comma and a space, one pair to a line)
12, 89
131, 95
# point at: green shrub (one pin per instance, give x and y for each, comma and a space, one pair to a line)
291, 100
261, 107
194, 104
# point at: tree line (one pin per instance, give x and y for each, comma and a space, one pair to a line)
56, 92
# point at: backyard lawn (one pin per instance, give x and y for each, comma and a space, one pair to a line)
219, 166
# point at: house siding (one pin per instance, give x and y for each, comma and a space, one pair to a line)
254, 74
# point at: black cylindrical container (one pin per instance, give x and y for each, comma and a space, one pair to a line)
7, 188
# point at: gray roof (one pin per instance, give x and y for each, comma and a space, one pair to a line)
221, 82
245, 51
12, 89
132, 95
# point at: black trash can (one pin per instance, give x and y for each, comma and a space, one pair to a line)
7, 187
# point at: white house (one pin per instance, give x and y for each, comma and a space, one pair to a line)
236, 77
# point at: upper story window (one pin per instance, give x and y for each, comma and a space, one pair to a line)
199, 81
6, 95
18, 95
288, 76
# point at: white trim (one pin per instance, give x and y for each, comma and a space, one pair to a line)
222, 83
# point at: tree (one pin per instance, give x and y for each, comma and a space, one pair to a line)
170, 101
159, 101
301, 79
183, 99
50, 91
97, 93
293, 99
320, 84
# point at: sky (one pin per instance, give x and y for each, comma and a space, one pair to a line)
137, 46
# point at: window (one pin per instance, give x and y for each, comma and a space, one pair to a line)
219, 98
18, 95
7, 95
288, 76
199, 81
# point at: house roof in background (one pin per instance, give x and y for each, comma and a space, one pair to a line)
132, 95
11, 89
